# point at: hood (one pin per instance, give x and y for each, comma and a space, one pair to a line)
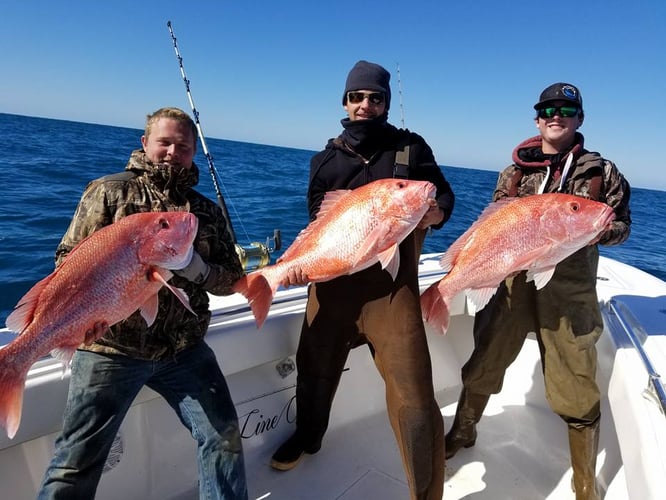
173, 182
528, 154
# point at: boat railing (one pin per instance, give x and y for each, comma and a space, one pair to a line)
635, 337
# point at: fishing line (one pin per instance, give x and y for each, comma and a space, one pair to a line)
257, 254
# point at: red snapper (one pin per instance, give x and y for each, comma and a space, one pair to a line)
354, 229
106, 277
530, 234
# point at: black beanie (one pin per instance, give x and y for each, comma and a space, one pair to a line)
368, 76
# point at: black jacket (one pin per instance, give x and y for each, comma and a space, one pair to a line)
359, 156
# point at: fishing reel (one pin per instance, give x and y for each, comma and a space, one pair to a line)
257, 255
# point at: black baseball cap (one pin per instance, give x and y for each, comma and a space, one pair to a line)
560, 92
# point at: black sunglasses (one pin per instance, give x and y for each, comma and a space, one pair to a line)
373, 97
563, 111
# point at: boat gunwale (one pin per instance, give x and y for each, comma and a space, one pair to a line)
624, 335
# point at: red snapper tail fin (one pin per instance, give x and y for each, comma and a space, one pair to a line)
435, 309
258, 292
11, 398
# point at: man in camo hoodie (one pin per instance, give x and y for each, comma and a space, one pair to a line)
565, 313
170, 356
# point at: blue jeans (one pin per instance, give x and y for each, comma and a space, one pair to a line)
101, 390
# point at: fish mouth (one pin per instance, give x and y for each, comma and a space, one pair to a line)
194, 225
187, 258
604, 219
430, 190
607, 217
189, 234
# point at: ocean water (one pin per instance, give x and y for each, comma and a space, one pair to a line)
47, 163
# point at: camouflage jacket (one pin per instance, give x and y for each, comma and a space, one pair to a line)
145, 187
589, 176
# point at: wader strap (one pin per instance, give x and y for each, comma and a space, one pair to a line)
419, 237
401, 167
401, 171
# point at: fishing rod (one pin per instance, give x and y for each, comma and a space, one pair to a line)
402, 114
256, 254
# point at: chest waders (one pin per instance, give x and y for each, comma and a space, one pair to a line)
495, 348
368, 307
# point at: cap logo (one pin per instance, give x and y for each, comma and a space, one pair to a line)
569, 92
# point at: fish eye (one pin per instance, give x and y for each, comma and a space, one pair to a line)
401, 184
575, 207
164, 224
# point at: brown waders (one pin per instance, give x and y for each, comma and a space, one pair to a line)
463, 430
566, 318
368, 307
583, 445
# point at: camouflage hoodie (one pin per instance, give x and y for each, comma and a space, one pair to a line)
145, 187
571, 296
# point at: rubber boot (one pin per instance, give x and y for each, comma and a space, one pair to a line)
583, 444
314, 397
468, 413
421, 442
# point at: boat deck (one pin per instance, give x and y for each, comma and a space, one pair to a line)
521, 452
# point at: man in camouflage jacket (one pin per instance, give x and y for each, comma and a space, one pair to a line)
169, 356
565, 313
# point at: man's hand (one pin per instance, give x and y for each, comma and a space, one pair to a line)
196, 271
96, 332
433, 216
295, 277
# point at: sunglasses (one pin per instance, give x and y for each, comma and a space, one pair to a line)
563, 111
373, 97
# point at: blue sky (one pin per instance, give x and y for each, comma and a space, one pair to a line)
273, 72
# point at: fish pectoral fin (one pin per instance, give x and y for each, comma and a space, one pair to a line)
182, 296
541, 277
390, 260
156, 275
479, 297
370, 244
64, 355
149, 309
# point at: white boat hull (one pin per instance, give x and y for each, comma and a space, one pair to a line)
521, 452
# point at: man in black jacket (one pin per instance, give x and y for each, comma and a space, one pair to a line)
368, 306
